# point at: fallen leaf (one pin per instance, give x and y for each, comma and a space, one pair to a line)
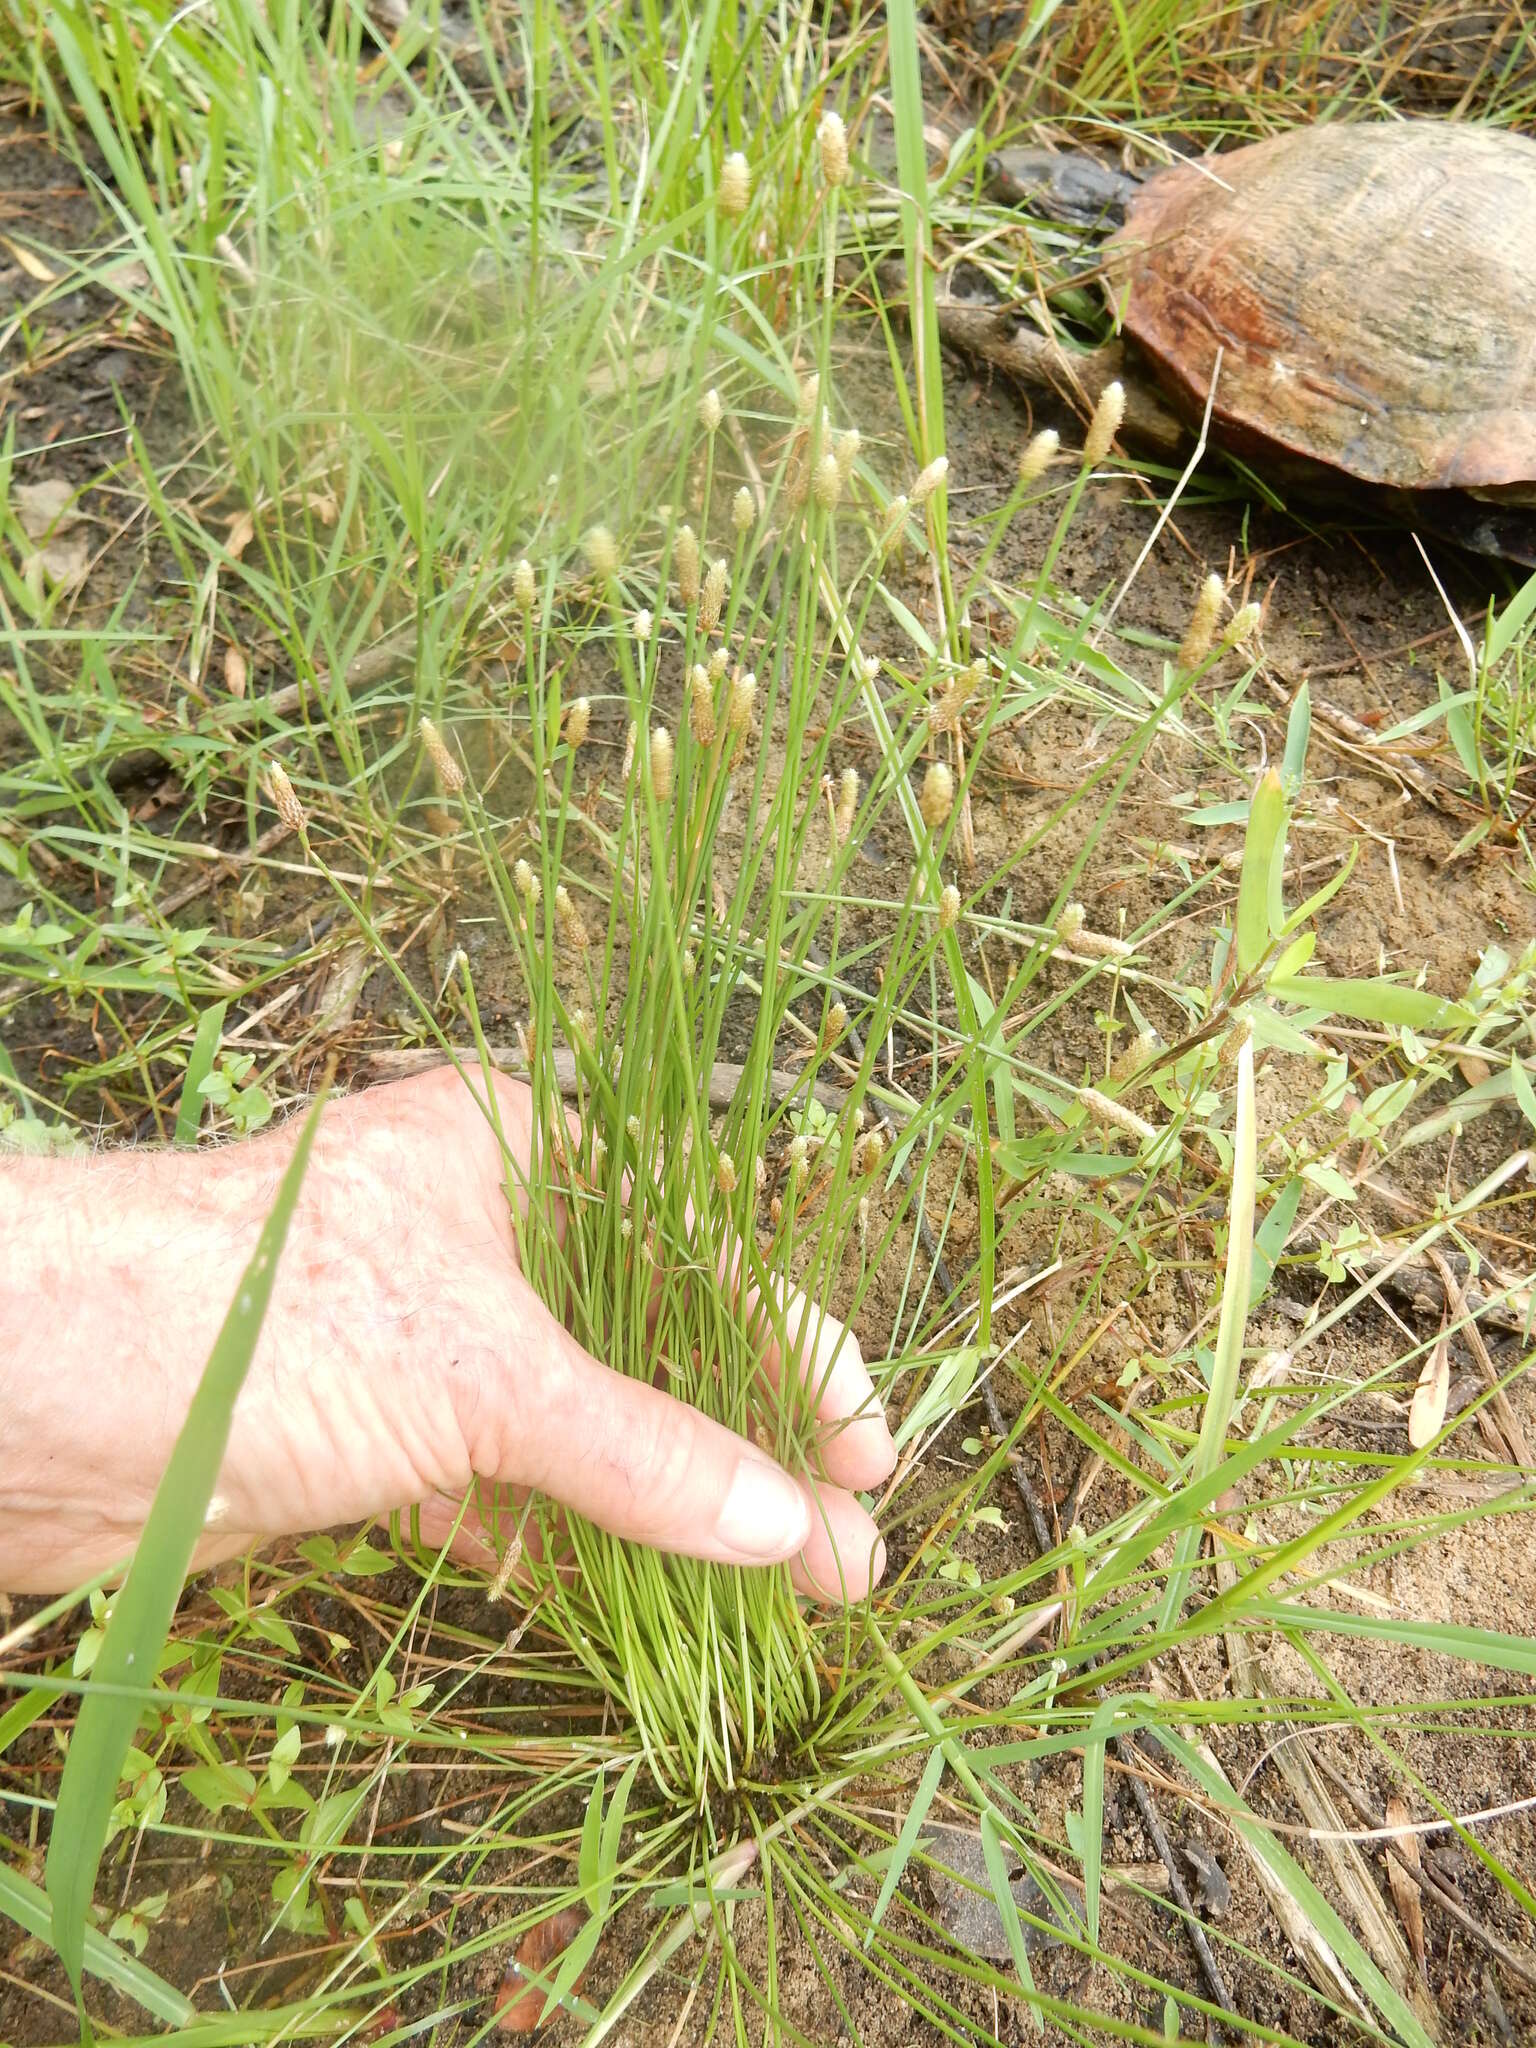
33, 265
962, 1895
239, 534
649, 368
1474, 1069
1427, 1412
521, 2007
235, 671
47, 507
62, 562
1212, 1890
132, 276
1403, 1866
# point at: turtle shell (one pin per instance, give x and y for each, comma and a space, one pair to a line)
1371, 290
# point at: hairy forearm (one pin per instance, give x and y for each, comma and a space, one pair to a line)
116, 1274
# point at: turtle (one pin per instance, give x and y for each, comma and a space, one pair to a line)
1361, 294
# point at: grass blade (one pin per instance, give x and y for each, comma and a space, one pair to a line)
27, 1904
906, 1841
141, 1613
1234, 1319
205, 1046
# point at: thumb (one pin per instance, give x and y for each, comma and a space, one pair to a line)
630, 1457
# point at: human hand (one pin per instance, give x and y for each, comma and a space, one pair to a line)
403, 1357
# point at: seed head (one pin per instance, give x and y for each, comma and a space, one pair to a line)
643, 623
524, 588
1105, 424
927, 481
712, 597
833, 139
799, 1154
1139, 1053
738, 717
719, 662
863, 1223
938, 795
1070, 923
1039, 453
827, 484
949, 908
743, 511
1242, 626
528, 886
632, 1129
661, 763
685, 554
284, 797
599, 1155
836, 1024
602, 552
725, 1173
569, 919
629, 749
847, 803
1201, 630
711, 411
1106, 1111
865, 666
810, 393
448, 771
759, 1174
845, 448
1232, 1045
868, 1153
578, 722
701, 705
688, 963
735, 188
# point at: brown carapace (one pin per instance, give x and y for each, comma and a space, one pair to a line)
1370, 290
1361, 295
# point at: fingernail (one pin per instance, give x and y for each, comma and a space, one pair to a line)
766, 1516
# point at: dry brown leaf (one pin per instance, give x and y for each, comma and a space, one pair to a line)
1474, 1069
649, 368
323, 505
45, 508
239, 534
131, 276
1402, 1872
62, 563
32, 264
520, 2007
235, 670
1426, 1415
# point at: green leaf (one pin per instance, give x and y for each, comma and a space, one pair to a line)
1236, 1294
1525, 1094
216, 1786
1288, 1873
1258, 889
950, 1383
1007, 1906
1298, 732
142, 1610
205, 1046
1269, 1239
906, 1841
1372, 1002
1509, 624
29, 1907
1094, 1744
